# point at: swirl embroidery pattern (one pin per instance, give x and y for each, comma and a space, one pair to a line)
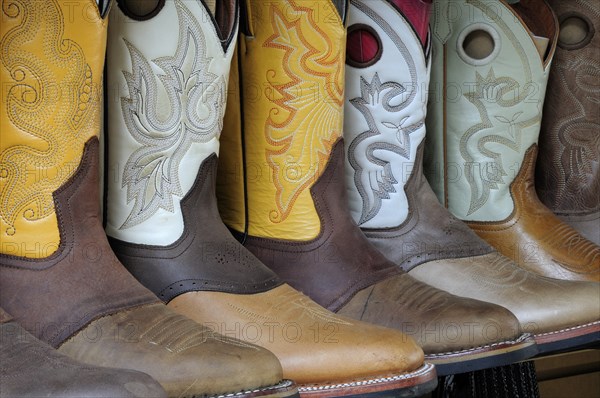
575, 131
503, 96
311, 96
373, 175
151, 173
49, 102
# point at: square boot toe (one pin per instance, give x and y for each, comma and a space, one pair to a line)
182, 355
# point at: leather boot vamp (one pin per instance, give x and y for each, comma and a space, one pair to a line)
440, 322
536, 239
331, 268
541, 304
30, 368
54, 298
430, 231
133, 339
205, 257
313, 344
587, 225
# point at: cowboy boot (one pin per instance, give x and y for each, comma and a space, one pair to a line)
24, 359
172, 238
384, 129
58, 275
491, 68
567, 172
299, 225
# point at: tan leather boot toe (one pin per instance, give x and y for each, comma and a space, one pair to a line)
446, 326
23, 359
544, 306
290, 324
193, 358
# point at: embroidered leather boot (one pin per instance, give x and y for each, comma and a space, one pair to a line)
30, 368
58, 276
164, 223
299, 225
567, 173
387, 76
491, 67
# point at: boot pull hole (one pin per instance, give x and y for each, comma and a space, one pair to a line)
141, 10
575, 32
363, 46
478, 44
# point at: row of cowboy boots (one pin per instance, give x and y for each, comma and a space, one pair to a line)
166, 98
285, 129
296, 220
163, 221
59, 278
386, 103
281, 189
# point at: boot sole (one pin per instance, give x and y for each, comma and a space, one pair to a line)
484, 357
569, 338
413, 384
285, 389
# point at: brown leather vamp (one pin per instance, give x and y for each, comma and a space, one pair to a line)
206, 256
430, 231
535, 238
340, 261
55, 297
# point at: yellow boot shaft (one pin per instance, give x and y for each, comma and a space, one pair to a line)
51, 74
292, 69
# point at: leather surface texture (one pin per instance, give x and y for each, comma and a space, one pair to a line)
340, 261
487, 111
293, 87
167, 91
568, 167
541, 304
55, 297
313, 344
536, 239
185, 357
4, 316
586, 225
205, 257
440, 322
51, 74
30, 368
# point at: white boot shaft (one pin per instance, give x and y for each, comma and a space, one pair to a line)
384, 114
490, 78
167, 86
